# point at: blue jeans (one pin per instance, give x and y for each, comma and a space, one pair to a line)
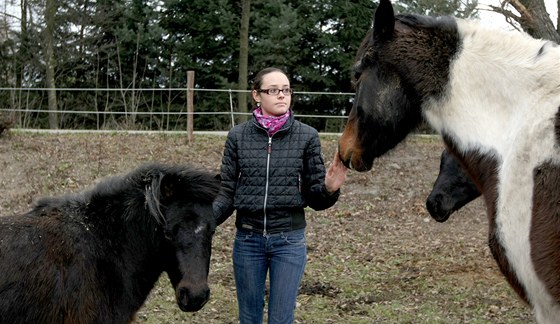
283, 256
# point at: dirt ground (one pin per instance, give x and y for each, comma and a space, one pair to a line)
377, 250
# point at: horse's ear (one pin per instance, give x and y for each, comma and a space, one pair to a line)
384, 21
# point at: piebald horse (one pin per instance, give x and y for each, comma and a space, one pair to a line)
494, 97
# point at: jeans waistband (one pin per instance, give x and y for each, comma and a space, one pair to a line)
296, 231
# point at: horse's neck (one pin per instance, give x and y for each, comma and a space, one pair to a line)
503, 70
120, 214
503, 87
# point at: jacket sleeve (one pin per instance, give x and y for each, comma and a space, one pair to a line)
314, 190
223, 204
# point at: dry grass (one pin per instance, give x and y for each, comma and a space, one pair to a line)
376, 256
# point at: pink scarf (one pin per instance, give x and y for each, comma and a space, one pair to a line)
272, 123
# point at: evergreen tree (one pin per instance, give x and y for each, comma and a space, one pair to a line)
134, 44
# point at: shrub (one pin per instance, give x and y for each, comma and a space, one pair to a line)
6, 122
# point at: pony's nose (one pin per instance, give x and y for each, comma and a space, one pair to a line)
432, 207
435, 207
191, 301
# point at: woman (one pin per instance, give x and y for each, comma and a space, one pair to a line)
272, 169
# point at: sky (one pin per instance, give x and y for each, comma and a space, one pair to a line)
498, 20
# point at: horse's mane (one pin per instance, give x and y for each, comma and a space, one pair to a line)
444, 23
187, 183
199, 184
421, 21
139, 189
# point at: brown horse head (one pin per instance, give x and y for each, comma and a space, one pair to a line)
387, 105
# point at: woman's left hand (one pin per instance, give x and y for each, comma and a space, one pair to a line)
336, 174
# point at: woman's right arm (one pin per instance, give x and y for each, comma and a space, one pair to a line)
223, 204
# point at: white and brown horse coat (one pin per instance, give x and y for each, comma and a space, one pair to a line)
494, 96
500, 117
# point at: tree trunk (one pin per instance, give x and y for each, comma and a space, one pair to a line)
22, 54
243, 58
50, 12
20, 59
540, 25
558, 17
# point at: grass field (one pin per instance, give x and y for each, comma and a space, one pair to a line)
375, 257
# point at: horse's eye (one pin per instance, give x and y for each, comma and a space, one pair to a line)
369, 57
359, 68
357, 75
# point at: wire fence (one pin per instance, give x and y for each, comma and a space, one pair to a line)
157, 109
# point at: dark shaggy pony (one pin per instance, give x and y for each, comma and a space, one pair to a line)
94, 257
494, 96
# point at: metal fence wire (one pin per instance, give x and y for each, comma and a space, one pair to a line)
157, 109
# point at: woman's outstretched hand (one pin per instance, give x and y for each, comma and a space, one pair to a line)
336, 174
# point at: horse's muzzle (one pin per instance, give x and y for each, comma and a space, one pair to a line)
190, 301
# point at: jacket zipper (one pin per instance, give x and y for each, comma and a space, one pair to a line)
269, 150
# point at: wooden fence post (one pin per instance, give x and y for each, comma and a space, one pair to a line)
190, 106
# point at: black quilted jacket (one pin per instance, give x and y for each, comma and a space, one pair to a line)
270, 180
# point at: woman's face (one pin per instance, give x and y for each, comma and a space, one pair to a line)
278, 104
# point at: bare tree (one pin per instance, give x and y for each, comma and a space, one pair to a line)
48, 45
531, 16
243, 57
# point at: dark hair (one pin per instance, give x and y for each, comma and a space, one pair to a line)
257, 80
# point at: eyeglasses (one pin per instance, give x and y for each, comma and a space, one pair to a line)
274, 91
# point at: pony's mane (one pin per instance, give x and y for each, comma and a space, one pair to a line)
189, 183
201, 185
139, 189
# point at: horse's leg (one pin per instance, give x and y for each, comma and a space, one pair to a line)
547, 314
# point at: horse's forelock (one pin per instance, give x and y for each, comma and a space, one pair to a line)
163, 182
202, 186
152, 195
